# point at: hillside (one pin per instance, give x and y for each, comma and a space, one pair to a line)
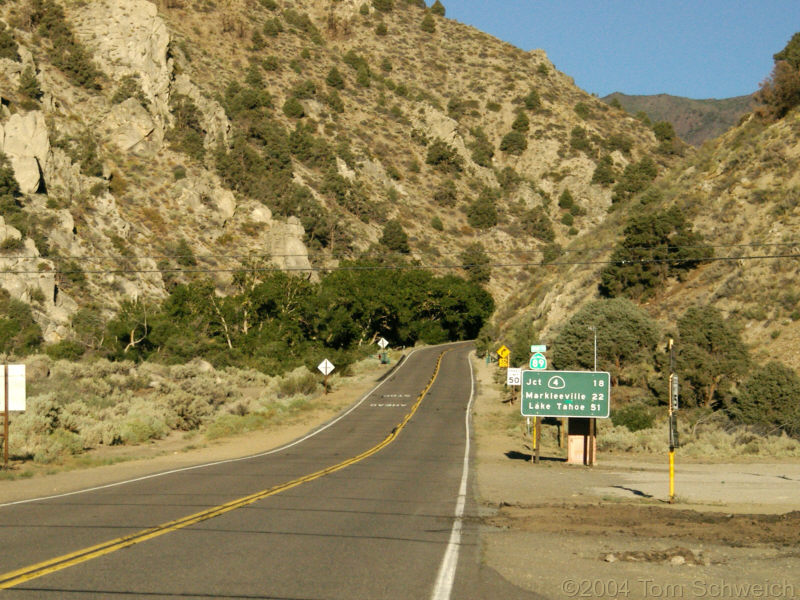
695, 121
153, 141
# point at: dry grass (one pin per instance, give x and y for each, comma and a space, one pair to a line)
82, 406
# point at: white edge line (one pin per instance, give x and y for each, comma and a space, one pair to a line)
219, 462
447, 570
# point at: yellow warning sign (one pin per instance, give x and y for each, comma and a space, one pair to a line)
503, 362
503, 352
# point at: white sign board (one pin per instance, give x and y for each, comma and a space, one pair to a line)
16, 388
326, 367
514, 376
383, 343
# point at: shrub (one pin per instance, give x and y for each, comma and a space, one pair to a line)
514, 142
335, 79
565, 200
381, 29
394, 237
8, 45
481, 147
664, 131
383, 5
445, 194
444, 157
427, 25
437, 224
532, 100
635, 417
293, 109
129, 87
272, 27
363, 76
521, 123
437, 8
635, 178
476, 263
65, 349
536, 223
187, 134
578, 140
770, 397
482, 212
29, 85
604, 173
583, 110
19, 333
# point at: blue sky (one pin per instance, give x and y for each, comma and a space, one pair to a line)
697, 49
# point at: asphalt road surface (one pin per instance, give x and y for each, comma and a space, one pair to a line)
370, 506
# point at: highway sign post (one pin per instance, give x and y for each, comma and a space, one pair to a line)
565, 394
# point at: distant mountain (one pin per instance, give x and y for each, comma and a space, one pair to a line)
695, 121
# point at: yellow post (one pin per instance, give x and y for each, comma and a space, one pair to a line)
672, 476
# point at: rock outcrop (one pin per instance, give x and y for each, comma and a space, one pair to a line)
24, 141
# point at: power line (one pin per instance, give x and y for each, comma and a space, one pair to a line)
406, 267
340, 256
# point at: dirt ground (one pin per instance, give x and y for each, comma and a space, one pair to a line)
608, 531
556, 529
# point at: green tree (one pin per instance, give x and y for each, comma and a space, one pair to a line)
769, 397
437, 8
9, 188
29, 85
635, 178
395, 238
604, 172
383, 5
476, 263
537, 224
428, 25
514, 142
482, 212
481, 147
335, 79
532, 101
626, 336
293, 109
19, 333
521, 123
8, 45
711, 356
444, 157
656, 246
780, 93
363, 76
664, 131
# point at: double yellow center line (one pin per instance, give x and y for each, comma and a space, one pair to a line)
14, 578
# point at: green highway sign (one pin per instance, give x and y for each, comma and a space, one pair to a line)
565, 394
538, 361
539, 348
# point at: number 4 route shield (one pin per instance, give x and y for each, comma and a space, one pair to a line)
565, 394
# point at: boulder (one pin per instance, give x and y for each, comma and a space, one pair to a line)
129, 126
24, 140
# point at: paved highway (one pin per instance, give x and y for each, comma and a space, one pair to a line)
369, 506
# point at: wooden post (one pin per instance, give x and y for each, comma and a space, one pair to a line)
590, 449
537, 435
562, 432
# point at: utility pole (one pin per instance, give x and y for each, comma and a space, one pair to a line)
5, 415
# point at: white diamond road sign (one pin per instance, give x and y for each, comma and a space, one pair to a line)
326, 367
382, 343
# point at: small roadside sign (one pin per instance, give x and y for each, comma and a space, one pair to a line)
539, 348
326, 367
514, 376
503, 352
383, 343
503, 362
538, 362
16, 388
